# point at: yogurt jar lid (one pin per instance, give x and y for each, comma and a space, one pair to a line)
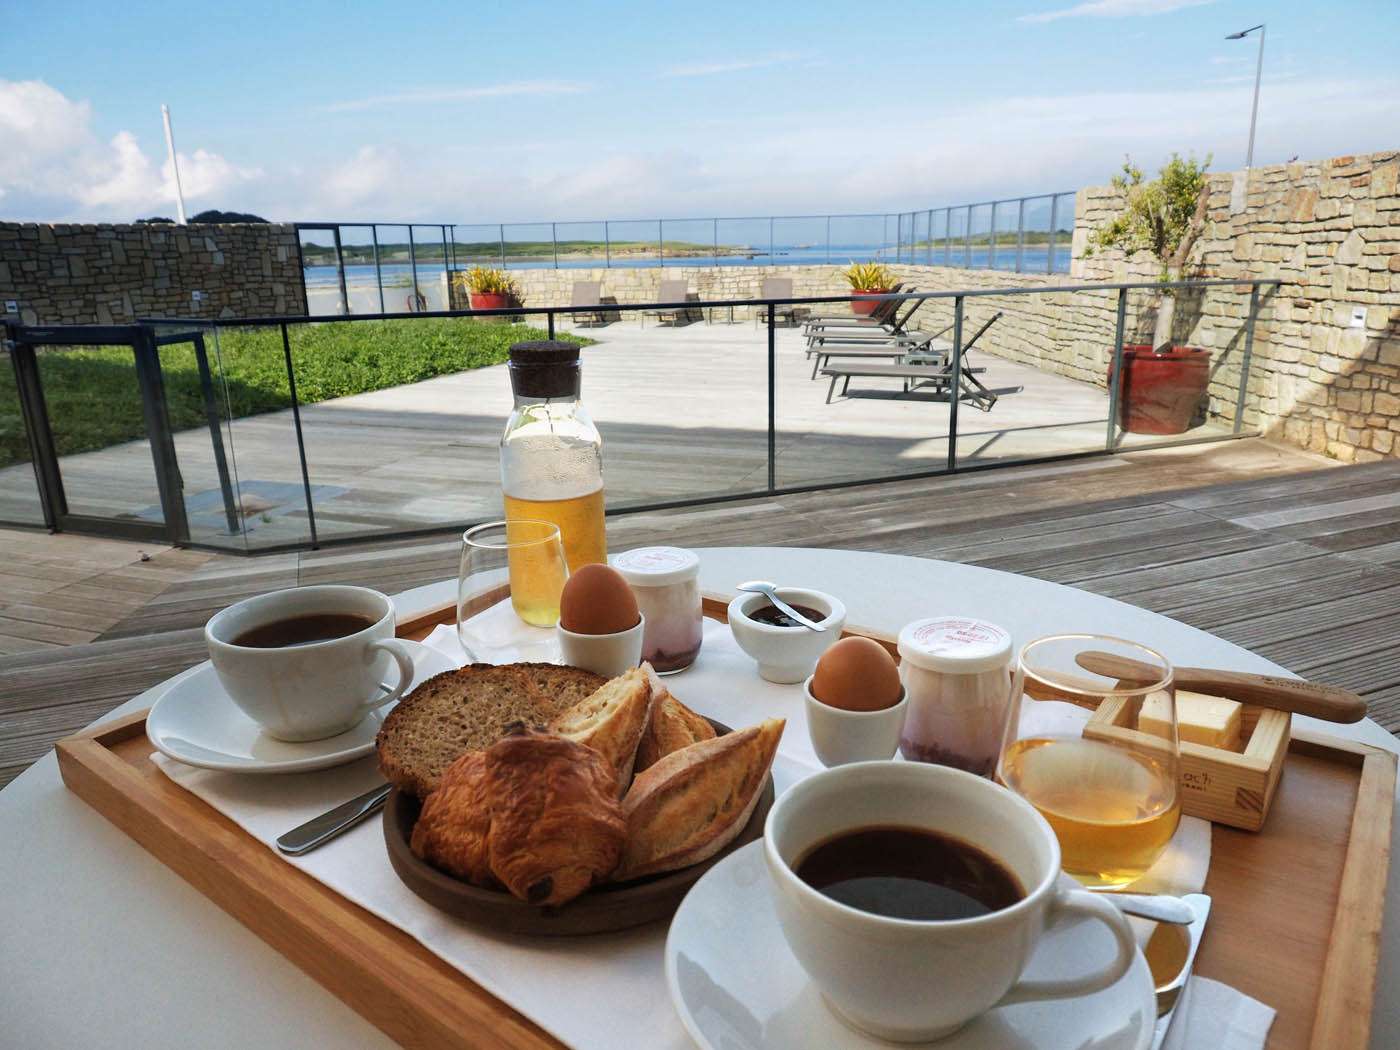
957, 644
657, 566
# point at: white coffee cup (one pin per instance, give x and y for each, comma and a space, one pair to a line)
914, 980
317, 689
840, 736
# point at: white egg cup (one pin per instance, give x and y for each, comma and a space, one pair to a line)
786, 654
606, 654
840, 736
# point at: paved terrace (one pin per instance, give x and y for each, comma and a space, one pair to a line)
683, 411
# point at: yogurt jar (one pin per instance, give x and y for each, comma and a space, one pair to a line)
956, 673
665, 582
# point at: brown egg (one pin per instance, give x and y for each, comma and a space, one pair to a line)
857, 674
597, 600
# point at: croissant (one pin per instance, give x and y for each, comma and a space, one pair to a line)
548, 806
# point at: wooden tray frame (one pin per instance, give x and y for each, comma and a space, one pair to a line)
1295, 922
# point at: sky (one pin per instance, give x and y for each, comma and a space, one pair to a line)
455, 112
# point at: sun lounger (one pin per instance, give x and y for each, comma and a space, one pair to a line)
916, 376
925, 365
677, 291
776, 288
883, 311
895, 327
587, 300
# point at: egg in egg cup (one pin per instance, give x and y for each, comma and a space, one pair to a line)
855, 703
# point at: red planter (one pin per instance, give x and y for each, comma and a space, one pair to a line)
490, 300
865, 301
1162, 393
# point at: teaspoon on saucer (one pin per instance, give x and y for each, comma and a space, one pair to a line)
1161, 907
769, 591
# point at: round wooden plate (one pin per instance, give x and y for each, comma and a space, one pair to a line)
603, 908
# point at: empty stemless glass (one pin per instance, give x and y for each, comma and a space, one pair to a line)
522, 560
1108, 786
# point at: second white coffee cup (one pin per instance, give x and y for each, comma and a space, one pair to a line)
911, 980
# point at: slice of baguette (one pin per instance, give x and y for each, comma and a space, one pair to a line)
693, 802
453, 713
671, 727
611, 721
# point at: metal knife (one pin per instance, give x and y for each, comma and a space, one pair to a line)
330, 824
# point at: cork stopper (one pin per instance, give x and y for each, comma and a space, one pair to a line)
544, 368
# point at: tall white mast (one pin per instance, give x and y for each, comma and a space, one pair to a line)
170, 145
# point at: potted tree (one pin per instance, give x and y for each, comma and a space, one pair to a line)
1162, 386
489, 288
867, 279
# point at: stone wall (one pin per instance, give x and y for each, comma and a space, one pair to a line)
1330, 231
104, 274
550, 287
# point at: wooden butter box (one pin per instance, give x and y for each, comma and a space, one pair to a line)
1228, 787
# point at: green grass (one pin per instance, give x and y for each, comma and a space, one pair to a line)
93, 400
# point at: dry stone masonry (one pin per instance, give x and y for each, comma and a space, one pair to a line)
69, 273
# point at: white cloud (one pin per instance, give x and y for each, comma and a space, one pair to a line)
430, 96
1115, 9
51, 154
704, 69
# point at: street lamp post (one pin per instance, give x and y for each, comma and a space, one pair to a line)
1259, 69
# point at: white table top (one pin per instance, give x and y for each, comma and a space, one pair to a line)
105, 946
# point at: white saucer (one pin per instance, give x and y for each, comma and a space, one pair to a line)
737, 986
195, 722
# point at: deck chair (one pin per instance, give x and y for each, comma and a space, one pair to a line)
894, 328
587, 299
671, 291
776, 288
884, 310
932, 367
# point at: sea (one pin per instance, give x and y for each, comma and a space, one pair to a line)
400, 275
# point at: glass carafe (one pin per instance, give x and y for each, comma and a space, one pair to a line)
551, 453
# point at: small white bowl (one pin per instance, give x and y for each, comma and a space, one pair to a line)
606, 654
840, 736
786, 654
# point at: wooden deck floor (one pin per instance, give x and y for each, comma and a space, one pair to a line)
1257, 544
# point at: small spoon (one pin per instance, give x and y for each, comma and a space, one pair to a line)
1161, 907
769, 591
1327, 702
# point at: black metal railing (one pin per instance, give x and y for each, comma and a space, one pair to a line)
414, 261
236, 471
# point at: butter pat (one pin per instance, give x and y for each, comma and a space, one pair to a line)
1211, 721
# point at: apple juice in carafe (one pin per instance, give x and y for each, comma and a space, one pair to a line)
551, 454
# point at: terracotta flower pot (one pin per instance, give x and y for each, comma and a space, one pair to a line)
1161, 393
490, 300
865, 301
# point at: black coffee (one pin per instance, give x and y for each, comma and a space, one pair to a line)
909, 873
302, 630
772, 615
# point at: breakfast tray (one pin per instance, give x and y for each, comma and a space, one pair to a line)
1295, 922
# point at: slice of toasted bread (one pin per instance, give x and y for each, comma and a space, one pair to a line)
453, 713
563, 684
611, 721
693, 802
671, 727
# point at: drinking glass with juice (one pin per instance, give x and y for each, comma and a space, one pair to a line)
1113, 798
